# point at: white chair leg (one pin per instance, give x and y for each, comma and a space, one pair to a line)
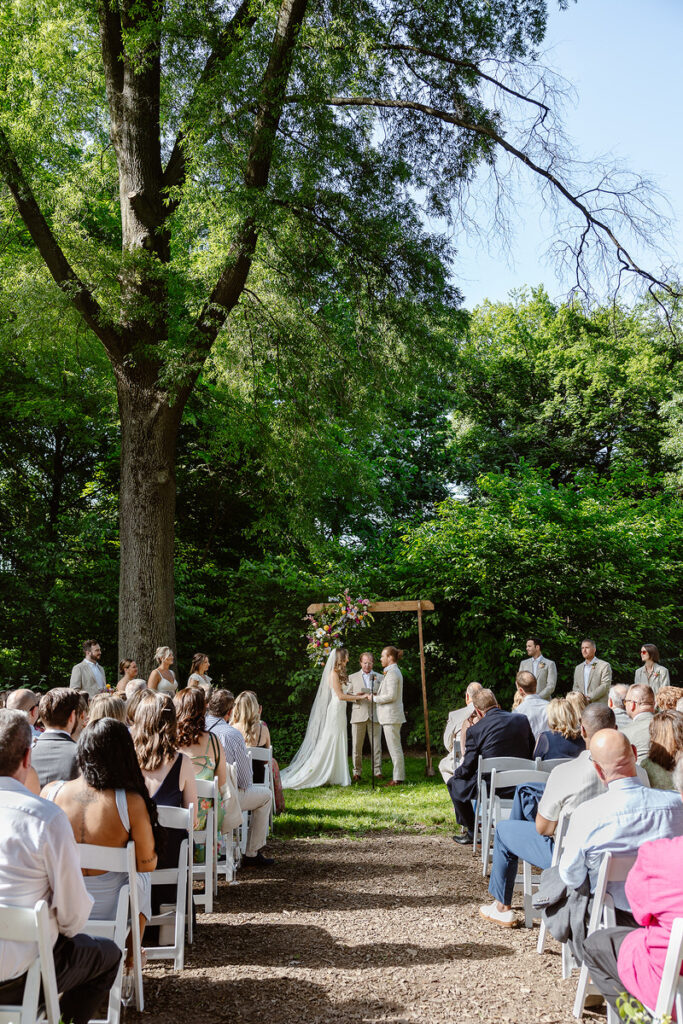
581, 992
540, 945
568, 962
528, 909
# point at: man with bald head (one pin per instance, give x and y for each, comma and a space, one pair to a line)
26, 701
639, 703
619, 821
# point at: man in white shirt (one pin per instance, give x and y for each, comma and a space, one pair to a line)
256, 799
39, 861
593, 677
452, 733
615, 701
544, 670
618, 821
533, 706
88, 674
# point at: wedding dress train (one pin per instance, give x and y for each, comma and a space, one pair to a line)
323, 757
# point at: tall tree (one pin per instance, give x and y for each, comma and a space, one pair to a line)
158, 155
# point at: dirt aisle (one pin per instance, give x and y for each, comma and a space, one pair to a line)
379, 929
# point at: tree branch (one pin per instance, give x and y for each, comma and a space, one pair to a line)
48, 247
624, 257
241, 22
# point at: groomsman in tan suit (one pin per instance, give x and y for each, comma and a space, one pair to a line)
543, 669
389, 703
593, 677
361, 682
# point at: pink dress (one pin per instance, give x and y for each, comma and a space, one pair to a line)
654, 889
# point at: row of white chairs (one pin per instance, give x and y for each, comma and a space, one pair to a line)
490, 809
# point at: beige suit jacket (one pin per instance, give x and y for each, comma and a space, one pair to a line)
658, 679
599, 681
546, 680
389, 697
360, 710
83, 678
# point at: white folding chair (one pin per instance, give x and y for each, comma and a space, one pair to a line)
484, 767
108, 858
613, 868
32, 925
497, 805
264, 755
527, 880
671, 985
560, 834
547, 766
207, 789
179, 913
231, 839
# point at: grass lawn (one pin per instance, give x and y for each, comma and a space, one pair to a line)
421, 805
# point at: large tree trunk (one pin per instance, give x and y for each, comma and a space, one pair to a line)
149, 427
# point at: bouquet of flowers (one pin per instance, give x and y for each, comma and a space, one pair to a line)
328, 631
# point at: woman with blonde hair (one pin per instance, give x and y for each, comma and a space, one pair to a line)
667, 698
162, 678
563, 736
246, 717
106, 705
666, 746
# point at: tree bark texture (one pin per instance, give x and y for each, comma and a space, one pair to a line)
149, 430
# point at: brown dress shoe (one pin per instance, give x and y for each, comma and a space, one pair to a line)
356, 778
394, 783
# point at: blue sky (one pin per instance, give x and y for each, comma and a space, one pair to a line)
623, 58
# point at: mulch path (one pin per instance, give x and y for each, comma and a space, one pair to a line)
385, 928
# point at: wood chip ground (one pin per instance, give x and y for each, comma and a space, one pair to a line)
383, 928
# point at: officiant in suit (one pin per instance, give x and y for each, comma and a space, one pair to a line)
361, 726
543, 669
389, 709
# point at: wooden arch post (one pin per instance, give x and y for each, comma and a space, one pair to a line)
402, 606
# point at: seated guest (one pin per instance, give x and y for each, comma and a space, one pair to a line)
54, 754
246, 716
106, 705
27, 701
82, 715
619, 821
256, 799
133, 702
533, 706
640, 706
496, 733
451, 736
615, 701
563, 737
625, 959
108, 805
666, 698
651, 673
129, 671
39, 861
666, 744
518, 838
203, 749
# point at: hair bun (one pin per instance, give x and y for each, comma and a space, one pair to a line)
399, 655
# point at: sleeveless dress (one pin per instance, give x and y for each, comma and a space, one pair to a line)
169, 794
328, 763
166, 686
105, 888
205, 765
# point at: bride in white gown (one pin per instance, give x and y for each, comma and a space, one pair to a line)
323, 757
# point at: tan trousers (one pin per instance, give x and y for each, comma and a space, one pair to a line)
359, 730
256, 799
392, 738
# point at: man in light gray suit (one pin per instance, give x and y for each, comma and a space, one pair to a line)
593, 677
89, 675
390, 715
362, 682
54, 752
544, 670
640, 708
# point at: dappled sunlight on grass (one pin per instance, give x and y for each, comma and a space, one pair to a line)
421, 805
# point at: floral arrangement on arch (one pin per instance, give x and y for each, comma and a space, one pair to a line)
329, 629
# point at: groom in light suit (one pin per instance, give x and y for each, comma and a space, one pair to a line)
389, 703
361, 682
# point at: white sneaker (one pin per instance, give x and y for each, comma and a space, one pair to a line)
505, 918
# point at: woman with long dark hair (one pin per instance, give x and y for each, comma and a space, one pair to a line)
107, 805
